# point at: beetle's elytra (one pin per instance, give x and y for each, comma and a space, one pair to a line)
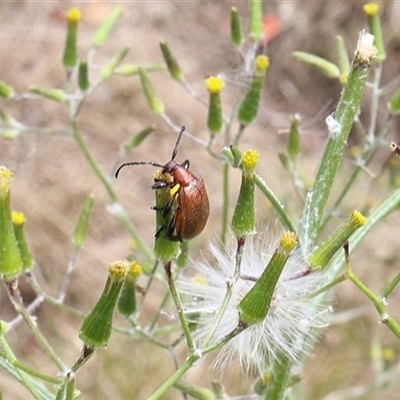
193, 207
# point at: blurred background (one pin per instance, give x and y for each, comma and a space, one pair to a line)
52, 179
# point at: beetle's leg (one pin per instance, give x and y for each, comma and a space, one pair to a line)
158, 233
160, 185
168, 206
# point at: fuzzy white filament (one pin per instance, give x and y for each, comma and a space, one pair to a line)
290, 324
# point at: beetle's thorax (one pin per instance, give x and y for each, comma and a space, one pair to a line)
180, 174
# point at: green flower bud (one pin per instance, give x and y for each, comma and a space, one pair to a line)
394, 103
10, 134
6, 91
322, 255
18, 220
293, 146
135, 141
243, 221
325, 67
153, 101
53, 94
227, 152
237, 156
81, 227
133, 69
374, 22
103, 32
343, 58
215, 120
96, 327
236, 27
249, 106
70, 51
172, 64
10, 257
164, 248
83, 76
255, 20
254, 306
108, 69
284, 159
127, 299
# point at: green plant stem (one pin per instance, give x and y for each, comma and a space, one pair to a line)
19, 366
225, 204
70, 387
277, 205
121, 214
345, 114
228, 293
179, 307
220, 315
375, 95
190, 361
329, 286
391, 286
32, 325
158, 313
67, 276
379, 303
174, 377
278, 383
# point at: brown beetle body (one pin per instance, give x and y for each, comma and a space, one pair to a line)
193, 207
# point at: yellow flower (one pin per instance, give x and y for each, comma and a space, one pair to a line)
214, 84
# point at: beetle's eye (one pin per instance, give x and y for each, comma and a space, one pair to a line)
186, 164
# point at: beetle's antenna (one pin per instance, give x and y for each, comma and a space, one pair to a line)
175, 152
137, 163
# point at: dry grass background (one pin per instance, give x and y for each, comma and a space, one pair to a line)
52, 179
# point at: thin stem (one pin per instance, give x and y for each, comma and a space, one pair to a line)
67, 276
7, 354
329, 286
277, 205
379, 303
158, 313
391, 286
32, 325
174, 377
278, 383
179, 307
375, 95
228, 293
225, 204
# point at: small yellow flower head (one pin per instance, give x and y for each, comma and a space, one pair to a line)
288, 241
74, 15
18, 218
343, 78
262, 63
214, 84
118, 270
357, 219
5, 179
250, 159
135, 269
159, 176
371, 9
